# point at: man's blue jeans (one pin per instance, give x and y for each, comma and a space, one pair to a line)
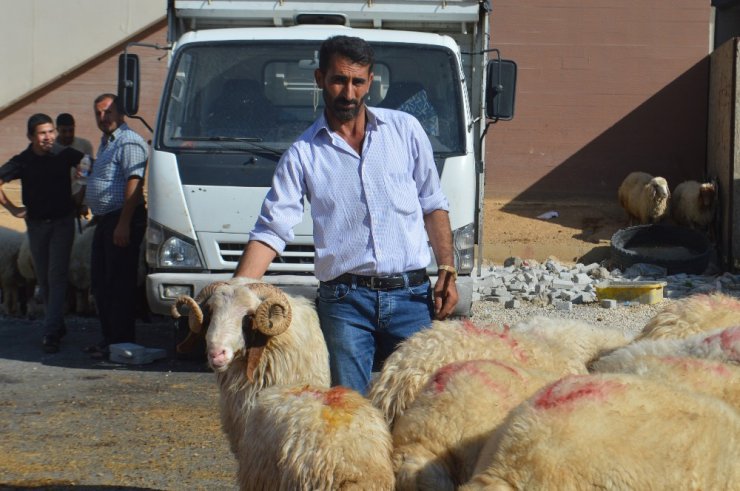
362, 327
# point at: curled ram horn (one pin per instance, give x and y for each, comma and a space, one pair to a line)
195, 318
273, 316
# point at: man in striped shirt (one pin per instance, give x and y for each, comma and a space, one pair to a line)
375, 196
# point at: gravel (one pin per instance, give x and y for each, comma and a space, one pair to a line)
629, 319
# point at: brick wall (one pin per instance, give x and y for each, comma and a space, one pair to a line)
604, 88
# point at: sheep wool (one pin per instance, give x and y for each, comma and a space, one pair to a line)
613, 432
437, 440
721, 345
645, 198
692, 315
79, 269
407, 370
710, 377
11, 280
577, 340
693, 204
314, 438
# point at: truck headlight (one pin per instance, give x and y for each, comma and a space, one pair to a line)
168, 249
463, 242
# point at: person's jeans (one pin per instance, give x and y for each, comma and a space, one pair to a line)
113, 276
362, 327
50, 242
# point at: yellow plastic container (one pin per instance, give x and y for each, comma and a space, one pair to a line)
647, 292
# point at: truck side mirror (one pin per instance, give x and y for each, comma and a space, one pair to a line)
500, 89
128, 83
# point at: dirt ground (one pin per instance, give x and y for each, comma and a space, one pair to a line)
69, 422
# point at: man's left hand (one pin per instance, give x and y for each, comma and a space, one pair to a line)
121, 235
445, 295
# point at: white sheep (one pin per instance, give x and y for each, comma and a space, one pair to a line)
692, 315
645, 198
710, 377
11, 281
438, 438
721, 345
693, 204
258, 338
613, 431
314, 438
406, 370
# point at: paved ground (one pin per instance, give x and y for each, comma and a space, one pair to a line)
69, 422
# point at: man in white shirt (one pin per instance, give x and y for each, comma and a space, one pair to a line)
66, 138
374, 190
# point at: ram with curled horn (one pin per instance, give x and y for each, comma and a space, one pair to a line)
257, 336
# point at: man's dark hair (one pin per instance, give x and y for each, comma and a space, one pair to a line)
356, 49
36, 120
65, 119
116, 100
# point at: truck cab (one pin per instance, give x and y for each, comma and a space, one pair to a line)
240, 89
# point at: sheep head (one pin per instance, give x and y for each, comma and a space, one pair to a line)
244, 316
659, 189
707, 192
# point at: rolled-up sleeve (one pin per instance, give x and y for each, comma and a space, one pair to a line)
431, 197
283, 206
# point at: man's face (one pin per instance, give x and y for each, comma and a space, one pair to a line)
107, 116
66, 134
345, 86
43, 138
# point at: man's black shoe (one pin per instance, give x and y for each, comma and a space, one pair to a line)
50, 344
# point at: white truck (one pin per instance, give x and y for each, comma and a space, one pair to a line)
240, 89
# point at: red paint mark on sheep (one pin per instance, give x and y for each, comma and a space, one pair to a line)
729, 342
688, 364
504, 336
572, 389
444, 375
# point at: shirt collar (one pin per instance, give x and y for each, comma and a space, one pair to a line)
373, 121
112, 137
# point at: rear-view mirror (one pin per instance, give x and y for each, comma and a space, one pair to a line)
500, 89
128, 83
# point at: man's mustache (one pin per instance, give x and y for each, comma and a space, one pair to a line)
354, 102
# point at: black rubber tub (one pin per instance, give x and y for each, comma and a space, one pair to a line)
678, 249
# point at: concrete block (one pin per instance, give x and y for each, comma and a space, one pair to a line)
608, 303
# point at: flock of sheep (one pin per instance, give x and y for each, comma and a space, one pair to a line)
545, 404
18, 278
647, 199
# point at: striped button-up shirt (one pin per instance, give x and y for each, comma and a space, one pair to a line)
121, 155
368, 210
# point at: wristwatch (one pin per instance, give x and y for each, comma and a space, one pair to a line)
449, 269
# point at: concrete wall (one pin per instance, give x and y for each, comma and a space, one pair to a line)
604, 88
43, 40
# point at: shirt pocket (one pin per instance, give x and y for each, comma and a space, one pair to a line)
401, 192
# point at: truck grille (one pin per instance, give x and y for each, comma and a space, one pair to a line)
293, 253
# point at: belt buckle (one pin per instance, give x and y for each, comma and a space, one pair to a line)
373, 286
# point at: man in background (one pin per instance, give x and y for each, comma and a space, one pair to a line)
66, 135
115, 196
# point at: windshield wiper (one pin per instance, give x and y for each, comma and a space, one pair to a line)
251, 140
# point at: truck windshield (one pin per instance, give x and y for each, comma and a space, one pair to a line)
258, 97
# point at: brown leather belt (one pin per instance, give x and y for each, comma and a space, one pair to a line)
390, 282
